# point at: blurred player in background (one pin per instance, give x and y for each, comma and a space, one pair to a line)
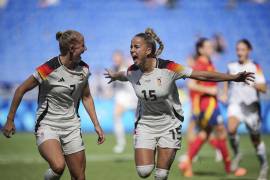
124, 100
62, 82
195, 95
207, 116
157, 135
244, 106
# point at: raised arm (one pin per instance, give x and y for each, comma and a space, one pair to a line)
89, 105
113, 76
27, 85
218, 77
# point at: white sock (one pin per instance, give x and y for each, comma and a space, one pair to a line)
50, 175
161, 174
119, 132
261, 153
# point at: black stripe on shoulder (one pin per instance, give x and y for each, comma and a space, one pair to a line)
162, 64
133, 67
53, 63
82, 63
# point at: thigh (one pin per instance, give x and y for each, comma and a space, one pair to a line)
72, 141
220, 131
76, 163
233, 123
144, 156
165, 157
51, 151
234, 117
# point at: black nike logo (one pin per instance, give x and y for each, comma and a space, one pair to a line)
61, 80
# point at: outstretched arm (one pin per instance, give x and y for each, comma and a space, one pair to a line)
27, 85
218, 77
89, 105
113, 76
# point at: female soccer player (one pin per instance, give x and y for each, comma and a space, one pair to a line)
208, 119
62, 82
244, 106
159, 111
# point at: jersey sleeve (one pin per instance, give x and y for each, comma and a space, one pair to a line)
42, 72
178, 71
37, 77
259, 76
130, 71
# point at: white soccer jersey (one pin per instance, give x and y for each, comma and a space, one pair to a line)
60, 92
157, 93
239, 91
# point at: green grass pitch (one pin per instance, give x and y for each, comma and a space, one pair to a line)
20, 160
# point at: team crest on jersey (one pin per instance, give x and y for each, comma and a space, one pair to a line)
159, 81
82, 76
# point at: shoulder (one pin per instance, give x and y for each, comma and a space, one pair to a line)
45, 69
256, 66
164, 64
168, 64
232, 64
84, 64
133, 67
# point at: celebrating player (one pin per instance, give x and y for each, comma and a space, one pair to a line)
62, 82
159, 111
247, 110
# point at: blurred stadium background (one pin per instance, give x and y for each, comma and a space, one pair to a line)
27, 39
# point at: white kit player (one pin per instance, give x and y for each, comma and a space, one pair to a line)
244, 106
124, 100
159, 111
63, 83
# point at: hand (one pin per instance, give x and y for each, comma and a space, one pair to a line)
246, 77
9, 129
110, 74
101, 135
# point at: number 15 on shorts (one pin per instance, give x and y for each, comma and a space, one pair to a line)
176, 133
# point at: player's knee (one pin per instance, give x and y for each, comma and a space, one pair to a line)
145, 171
58, 167
161, 174
79, 177
202, 135
256, 140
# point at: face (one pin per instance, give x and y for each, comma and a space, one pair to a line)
242, 51
77, 49
139, 50
207, 49
118, 58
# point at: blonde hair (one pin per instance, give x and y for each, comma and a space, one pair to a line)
66, 39
151, 39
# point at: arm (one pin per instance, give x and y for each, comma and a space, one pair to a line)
89, 105
224, 95
113, 76
27, 85
261, 87
192, 85
218, 77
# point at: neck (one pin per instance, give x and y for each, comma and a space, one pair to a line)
149, 65
67, 61
243, 61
